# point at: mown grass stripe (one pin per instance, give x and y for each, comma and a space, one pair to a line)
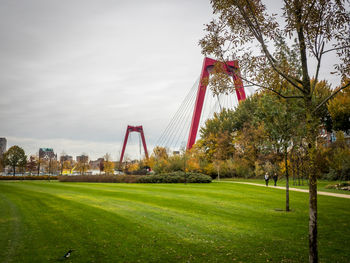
170, 223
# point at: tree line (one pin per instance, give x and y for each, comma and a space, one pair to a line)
18, 162
266, 133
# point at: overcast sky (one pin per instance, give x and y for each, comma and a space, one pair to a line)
75, 73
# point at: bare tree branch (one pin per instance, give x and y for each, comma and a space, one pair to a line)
331, 96
317, 70
336, 48
271, 89
272, 60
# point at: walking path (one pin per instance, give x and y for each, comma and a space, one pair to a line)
291, 189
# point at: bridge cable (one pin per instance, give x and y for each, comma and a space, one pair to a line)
186, 122
174, 127
170, 127
171, 123
188, 109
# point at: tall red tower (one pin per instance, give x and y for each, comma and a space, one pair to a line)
133, 129
232, 69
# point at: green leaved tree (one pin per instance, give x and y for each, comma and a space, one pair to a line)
318, 27
15, 157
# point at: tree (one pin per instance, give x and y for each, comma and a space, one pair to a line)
2, 164
216, 136
15, 157
39, 162
52, 166
233, 140
338, 158
339, 108
32, 164
159, 159
66, 165
108, 164
280, 119
101, 166
82, 166
197, 161
318, 28
177, 162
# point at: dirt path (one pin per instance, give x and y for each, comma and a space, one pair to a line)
292, 189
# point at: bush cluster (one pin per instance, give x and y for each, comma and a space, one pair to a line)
100, 178
340, 186
29, 177
174, 177
138, 172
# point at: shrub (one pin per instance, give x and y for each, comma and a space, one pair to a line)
100, 178
243, 169
174, 177
29, 177
176, 163
340, 186
339, 161
138, 172
199, 178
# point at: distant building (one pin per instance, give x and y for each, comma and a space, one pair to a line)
95, 165
3, 143
47, 153
330, 137
82, 159
64, 158
347, 137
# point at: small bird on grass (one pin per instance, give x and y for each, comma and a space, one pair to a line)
67, 255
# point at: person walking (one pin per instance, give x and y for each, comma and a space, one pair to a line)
267, 179
275, 178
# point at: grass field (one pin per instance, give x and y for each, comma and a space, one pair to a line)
321, 184
217, 222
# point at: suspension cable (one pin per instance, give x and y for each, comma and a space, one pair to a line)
180, 122
170, 127
174, 127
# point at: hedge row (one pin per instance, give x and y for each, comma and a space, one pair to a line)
175, 177
99, 178
29, 177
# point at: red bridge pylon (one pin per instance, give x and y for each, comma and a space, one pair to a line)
133, 129
232, 69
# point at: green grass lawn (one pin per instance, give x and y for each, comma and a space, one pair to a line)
321, 184
217, 222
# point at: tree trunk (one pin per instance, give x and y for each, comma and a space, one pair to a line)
287, 178
298, 172
293, 172
218, 172
313, 253
311, 140
14, 170
313, 250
